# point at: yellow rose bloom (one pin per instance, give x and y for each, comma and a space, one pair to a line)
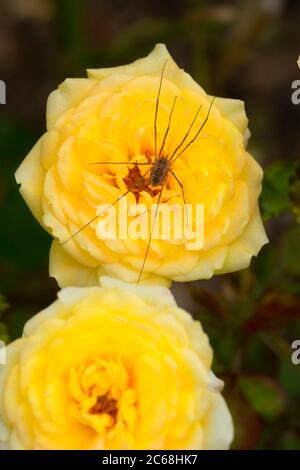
109, 117
112, 367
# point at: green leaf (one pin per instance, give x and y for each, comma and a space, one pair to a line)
295, 191
289, 376
275, 197
264, 394
226, 349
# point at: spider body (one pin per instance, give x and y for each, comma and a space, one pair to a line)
159, 171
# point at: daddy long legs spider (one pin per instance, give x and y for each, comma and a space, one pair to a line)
154, 180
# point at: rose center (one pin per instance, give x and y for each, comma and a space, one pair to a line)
136, 183
107, 405
101, 394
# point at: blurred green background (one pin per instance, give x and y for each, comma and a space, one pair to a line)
239, 49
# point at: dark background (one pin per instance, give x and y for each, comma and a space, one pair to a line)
239, 49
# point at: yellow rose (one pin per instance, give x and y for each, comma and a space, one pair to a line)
112, 367
109, 117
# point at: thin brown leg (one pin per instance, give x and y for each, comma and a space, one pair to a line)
168, 128
98, 215
121, 163
173, 158
186, 135
156, 108
182, 191
94, 218
151, 233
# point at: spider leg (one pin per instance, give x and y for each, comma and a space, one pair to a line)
156, 107
151, 233
173, 159
186, 134
168, 127
121, 163
93, 219
182, 191
98, 215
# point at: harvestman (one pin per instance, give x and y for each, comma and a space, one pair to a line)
160, 167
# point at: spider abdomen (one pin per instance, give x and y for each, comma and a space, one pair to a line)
159, 171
